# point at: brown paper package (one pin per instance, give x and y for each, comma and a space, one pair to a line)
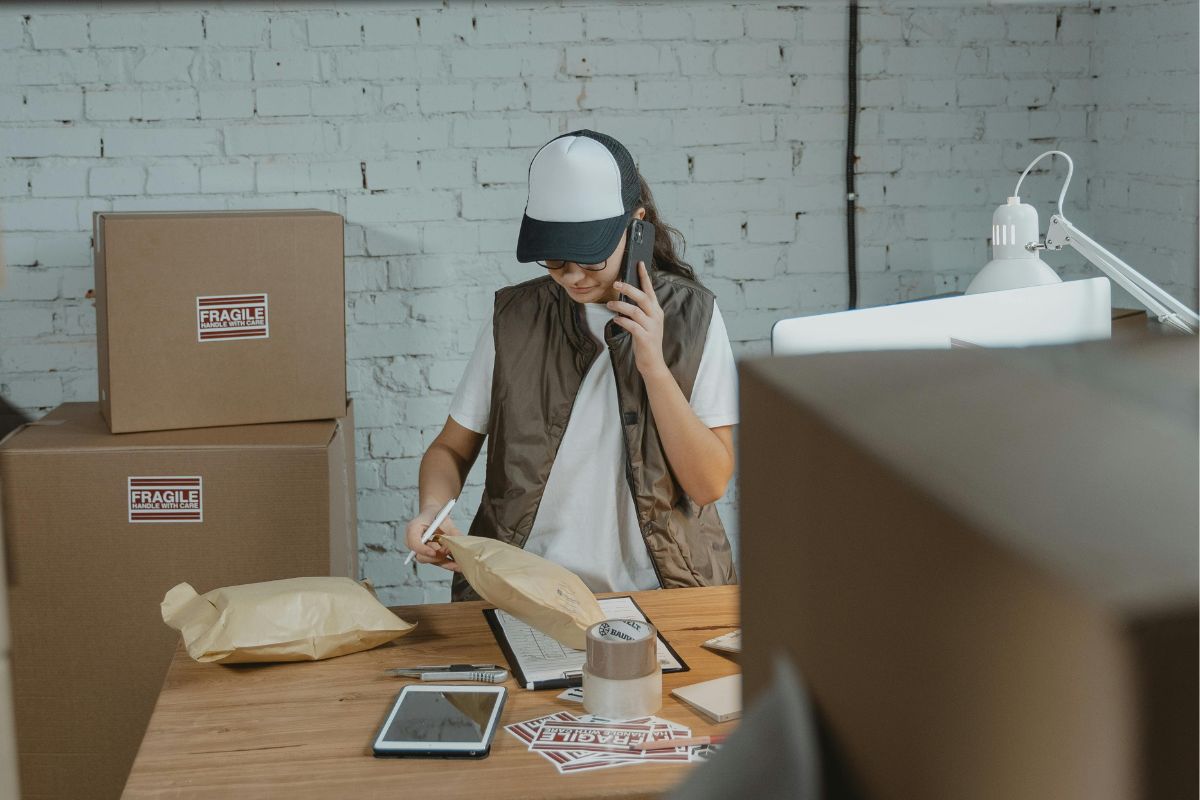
538, 592
295, 619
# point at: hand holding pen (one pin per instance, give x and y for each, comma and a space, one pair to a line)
419, 533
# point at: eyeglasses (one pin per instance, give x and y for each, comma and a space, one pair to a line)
556, 263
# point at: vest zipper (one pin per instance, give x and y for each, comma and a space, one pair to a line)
629, 468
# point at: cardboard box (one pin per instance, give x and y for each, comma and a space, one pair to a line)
8, 742
219, 318
983, 564
8, 730
100, 526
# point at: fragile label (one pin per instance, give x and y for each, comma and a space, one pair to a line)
594, 742
220, 318
594, 737
166, 499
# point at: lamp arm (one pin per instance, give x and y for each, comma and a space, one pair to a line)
1165, 308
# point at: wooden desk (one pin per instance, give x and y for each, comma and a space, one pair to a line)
304, 730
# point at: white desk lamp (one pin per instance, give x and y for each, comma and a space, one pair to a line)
1015, 261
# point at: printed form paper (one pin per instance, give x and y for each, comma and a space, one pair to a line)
544, 659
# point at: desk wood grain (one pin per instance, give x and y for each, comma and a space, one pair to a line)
304, 730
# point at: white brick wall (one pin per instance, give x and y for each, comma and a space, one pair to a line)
417, 121
1143, 200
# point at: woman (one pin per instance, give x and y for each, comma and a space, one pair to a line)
605, 462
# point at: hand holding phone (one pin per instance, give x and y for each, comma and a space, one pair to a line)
646, 328
639, 246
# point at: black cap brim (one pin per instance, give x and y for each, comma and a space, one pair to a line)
583, 242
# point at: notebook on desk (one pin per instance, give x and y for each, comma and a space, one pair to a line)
720, 699
541, 662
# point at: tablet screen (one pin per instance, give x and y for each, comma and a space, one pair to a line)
442, 717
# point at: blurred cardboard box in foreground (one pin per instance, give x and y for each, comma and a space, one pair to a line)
983, 564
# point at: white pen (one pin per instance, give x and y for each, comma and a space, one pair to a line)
433, 526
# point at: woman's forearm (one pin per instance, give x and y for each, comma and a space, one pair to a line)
700, 460
441, 476
445, 465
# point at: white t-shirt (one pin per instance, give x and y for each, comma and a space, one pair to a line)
586, 521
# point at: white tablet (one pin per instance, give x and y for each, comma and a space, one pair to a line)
435, 721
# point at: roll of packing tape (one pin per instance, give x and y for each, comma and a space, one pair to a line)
622, 699
622, 677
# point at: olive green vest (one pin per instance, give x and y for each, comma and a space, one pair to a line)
543, 352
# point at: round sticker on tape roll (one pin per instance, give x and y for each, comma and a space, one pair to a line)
621, 649
623, 630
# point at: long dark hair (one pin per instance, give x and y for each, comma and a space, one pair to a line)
665, 257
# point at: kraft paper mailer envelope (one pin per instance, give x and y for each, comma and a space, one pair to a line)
536, 591
297, 619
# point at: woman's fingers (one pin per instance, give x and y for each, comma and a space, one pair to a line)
629, 310
412, 537
647, 301
630, 325
444, 563
644, 303
444, 560
437, 555
647, 284
428, 552
632, 292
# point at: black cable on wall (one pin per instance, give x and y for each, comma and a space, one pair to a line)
851, 119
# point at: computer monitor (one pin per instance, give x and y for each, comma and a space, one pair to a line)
1060, 313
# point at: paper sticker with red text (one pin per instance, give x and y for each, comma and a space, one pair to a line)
175, 498
220, 318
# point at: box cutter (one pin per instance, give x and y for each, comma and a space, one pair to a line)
484, 673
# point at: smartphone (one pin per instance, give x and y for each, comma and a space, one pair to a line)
639, 246
432, 721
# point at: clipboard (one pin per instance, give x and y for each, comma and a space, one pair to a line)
555, 666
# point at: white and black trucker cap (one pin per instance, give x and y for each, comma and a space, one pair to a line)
583, 188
